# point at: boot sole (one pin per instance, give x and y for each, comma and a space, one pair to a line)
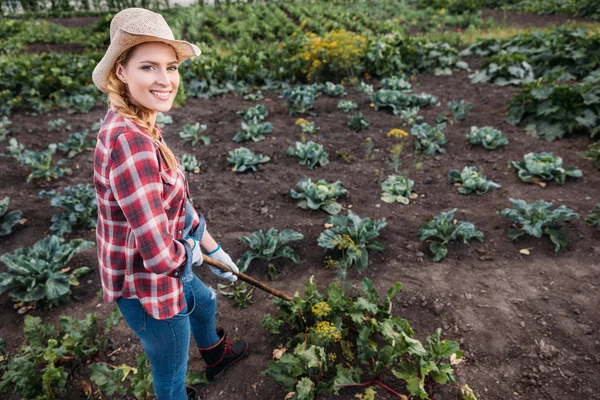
230, 364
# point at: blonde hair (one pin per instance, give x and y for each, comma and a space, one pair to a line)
117, 96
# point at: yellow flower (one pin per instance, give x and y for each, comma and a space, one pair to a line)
344, 241
332, 356
321, 309
327, 331
301, 122
397, 133
329, 262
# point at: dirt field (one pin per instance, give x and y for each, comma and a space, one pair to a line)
528, 324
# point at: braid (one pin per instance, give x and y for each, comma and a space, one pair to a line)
117, 95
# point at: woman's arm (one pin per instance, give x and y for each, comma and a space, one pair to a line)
207, 243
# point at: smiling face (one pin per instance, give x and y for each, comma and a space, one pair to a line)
151, 75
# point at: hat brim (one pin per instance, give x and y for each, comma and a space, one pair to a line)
124, 40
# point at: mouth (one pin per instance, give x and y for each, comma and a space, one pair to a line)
162, 95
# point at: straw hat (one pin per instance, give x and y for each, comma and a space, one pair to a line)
133, 26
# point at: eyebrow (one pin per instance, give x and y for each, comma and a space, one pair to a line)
155, 63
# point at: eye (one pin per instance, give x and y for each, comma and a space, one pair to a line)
174, 68
146, 66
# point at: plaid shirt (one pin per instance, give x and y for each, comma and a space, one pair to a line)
141, 218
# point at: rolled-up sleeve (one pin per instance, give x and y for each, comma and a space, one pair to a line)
137, 186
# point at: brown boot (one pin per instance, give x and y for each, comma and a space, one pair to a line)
223, 354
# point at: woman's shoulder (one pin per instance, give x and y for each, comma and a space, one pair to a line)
116, 125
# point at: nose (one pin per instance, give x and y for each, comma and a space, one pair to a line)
162, 78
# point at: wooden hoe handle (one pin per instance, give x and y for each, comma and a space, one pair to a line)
246, 278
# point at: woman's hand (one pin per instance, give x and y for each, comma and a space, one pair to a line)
196, 251
219, 255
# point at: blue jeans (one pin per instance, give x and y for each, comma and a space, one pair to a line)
167, 341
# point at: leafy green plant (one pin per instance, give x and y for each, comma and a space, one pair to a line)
319, 195
268, 247
358, 122
593, 153
538, 219
254, 114
442, 229
429, 139
505, 69
76, 144
593, 218
40, 162
347, 105
300, 99
40, 273
470, 180
338, 341
78, 207
57, 124
410, 115
254, 131
309, 154
4, 128
396, 83
396, 188
537, 167
244, 159
8, 219
458, 110
111, 379
45, 363
258, 96
192, 133
333, 90
365, 88
190, 163
486, 136
353, 237
399, 100
241, 293
307, 126
163, 119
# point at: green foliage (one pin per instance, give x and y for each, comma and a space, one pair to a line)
258, 96
163, 119
57, 124
353, 236
429, 139
358, 122
319, 195
400, 100
111, 379
347, 105
593, 153
40, 273
190, 163
396, 188
337, 341
505, 69
8, 219
536, 167
268, 247
254, 114
410, 115
333, 90
76, 144
442, 229
40, 162
551, 110
470, 180
488, 137
253, 131
300, 99
593, 218
78, 207
459, 112
396, 83
307, 126
241, 293
43, 365
309, 154
538, 219
244, 159
5, 128
192, 133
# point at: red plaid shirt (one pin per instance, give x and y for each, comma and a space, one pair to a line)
141, 213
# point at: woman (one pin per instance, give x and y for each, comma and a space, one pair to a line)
148, 234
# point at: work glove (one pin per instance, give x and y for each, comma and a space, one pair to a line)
219, 255
196, 252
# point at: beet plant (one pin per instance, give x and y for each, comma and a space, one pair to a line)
471, 180
336, 342
429, 139
8, 219
244, 159
268, 247
442, 229
309, 154
77, 206
538, 167
396, 188
538, 219
486, 136
318, 195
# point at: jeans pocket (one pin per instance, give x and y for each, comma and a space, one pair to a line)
133, 314
190, 300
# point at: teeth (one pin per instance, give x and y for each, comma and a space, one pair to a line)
161, 95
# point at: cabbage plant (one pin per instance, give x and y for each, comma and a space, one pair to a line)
399, 100
470, 180
486, 136
190, 163
77, 205
358, 122
253, 131
442, 229
347, 105
254, 114
192, 133
5, 128
396, 188
593, 218
76, 143
333, 90
396, 82
40, 162
538, 219
300, 99
8, 219
593, 153
318, 195
544, 166
429, 139
309, 154
244, 159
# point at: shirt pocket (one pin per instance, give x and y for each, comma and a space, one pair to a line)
171, 187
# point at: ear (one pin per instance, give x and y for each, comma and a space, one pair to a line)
120, 72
